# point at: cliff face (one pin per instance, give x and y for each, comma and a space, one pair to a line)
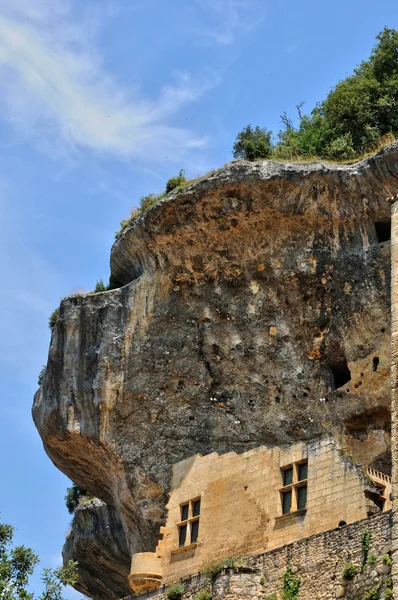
245, 300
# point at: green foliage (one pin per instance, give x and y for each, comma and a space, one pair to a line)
350, 570
100, 287
365, 546
373, 594
233, 562
145, 203
357, 112
17, 563
55, 579
175, 182
291, 586
203, 595
387, 560
253, 143
388, 594
262, 580
372, 559
75, 495
175, 591
213, 568
270, 597
53, 318
40, 378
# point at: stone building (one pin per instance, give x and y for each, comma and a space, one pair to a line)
251, 503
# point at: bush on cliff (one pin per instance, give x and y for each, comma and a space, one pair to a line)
175, 182
74, 496
53, 318
253, 143
17, 563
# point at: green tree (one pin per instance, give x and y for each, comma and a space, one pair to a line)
73, 496
252, 143
17, 563
100, 287
175, 182
357, 111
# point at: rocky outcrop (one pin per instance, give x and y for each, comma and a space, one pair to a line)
97, 542
252, 308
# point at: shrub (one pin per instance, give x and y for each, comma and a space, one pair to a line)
388, 594
53, 318
100, 287
213, 568
372, 559
365, 546
372, 594
270, 597
40, 379
341, 148
74, 496
349, 571
387, 560
232, 562
175, 591
253, 143
175, 182
204, 595
291, 586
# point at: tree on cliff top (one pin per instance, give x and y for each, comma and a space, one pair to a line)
357, 112
17, 563
252, 143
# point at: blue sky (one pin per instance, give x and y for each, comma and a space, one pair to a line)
100, 103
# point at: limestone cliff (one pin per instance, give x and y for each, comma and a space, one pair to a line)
243, 305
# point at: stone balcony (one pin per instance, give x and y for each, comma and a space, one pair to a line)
146, 572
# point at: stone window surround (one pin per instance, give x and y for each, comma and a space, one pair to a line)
293, 487
188, 523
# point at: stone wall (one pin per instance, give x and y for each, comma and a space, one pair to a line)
318, 561
241, 504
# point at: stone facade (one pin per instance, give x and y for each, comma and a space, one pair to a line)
318, 561
247, 504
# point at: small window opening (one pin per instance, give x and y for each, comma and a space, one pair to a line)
184, 512
383, 231
194, 531
286, 502
182, 535
302, 497
302, 471
376, 361
288, 476
341, 374
342, 523
196, 508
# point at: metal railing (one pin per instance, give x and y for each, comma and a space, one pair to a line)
188, 581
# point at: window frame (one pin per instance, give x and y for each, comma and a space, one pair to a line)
189, 521
293, 487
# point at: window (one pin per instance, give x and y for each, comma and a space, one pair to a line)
286, 502
188, 528
182, 535
302, 471
288, 476
184, 512
294, 491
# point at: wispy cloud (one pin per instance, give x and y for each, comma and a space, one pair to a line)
57, 92
233, 18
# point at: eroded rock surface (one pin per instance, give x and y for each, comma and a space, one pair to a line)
246, 300
98, 543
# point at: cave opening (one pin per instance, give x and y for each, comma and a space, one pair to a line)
375, 363
383, 231
341, 374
